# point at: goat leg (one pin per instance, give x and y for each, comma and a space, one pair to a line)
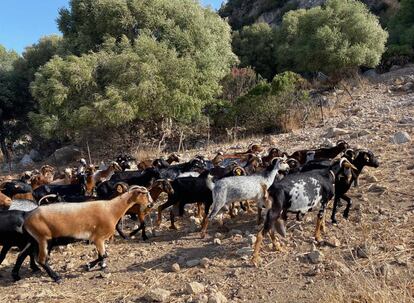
334, 209
199, 210
348, 205
119, 230
3, 252
172, 217
259, 239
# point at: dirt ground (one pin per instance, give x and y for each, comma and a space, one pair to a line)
368, 258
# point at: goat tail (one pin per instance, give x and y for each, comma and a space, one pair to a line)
209, 182
46, 197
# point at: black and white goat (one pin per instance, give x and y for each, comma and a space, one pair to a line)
299, 193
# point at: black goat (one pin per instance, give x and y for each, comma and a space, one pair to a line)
174, 171
125, 161
61, 190
320, 153
187, 190
11, 234
12, 188
299, 193
343, 182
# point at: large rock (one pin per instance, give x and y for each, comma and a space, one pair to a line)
333, 132
371, 73
157, 295
26, 161
401, 138
35, 155
217, 297
67, 154
315, 257
194, 288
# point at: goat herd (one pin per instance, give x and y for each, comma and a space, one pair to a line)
44, 209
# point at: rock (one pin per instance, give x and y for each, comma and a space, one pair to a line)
217, 297
205, 262
66, 154
235, 232
194, 288
217, 241
327, 143
406, 120
175, 267
362, 252
157, 295
270, 140
341, 267
401, 137
192, 263
251, 239
371, 73
315, 257
333, 132
35, 155
407, 86
374, 188
26, 161
400, 247
244, 251
334, 242
394, 68
202, 298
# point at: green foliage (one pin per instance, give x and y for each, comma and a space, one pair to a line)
266, 105
401, 27
238, 82
132, 59
254, 45
7, 59
341, 35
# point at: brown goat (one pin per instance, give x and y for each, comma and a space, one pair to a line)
5, 201
94, 221
272, 153
150, 163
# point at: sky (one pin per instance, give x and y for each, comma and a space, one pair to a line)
23, 22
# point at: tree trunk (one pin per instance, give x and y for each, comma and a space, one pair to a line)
3, 146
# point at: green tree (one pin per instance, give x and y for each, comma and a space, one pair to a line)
254, 45
10, 107
132, 60
401, 26
341, 35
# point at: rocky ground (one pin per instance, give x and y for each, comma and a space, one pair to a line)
369, 258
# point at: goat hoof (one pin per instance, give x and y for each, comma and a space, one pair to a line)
334, 221
15, 277
173, 227
35, 269
145, 238
255, 261
87, 267
58, 280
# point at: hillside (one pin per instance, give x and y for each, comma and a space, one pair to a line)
366, 259
246, 12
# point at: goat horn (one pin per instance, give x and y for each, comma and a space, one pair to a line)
141, 188
345, 163
45, 197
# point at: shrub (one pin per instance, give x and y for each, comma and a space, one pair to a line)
341, 35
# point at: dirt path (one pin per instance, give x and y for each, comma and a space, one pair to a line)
369, 259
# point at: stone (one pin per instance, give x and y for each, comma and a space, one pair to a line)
26, 161
205, 262
244, 251
394, 68
66, 154
157, 295
175, 267
371, 73
217, 241
217, 297
315, 257
251, 239
235, 232
194, 288
406, 120
407, 86
35, 155
374, 188
362, 252
202, 298
218, 235
401, 137
193, 262
333, 132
